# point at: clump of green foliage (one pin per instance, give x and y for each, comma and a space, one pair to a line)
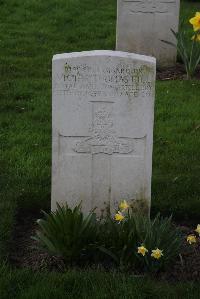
67, 233
121, 241
189, 50
129, 241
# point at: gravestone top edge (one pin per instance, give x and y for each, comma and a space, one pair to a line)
120, 54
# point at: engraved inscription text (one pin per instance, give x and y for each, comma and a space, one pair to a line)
86, 80
151, 6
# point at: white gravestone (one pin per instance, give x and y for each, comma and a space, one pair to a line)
142, 24
103, 108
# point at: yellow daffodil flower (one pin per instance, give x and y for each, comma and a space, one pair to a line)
142, 250
196, 38
123, 205
119, 217
197, 230
195, 21
191, 239
157, 253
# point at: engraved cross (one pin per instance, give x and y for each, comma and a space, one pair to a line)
102, 144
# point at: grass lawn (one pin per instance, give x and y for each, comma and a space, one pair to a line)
24, 284
31, 32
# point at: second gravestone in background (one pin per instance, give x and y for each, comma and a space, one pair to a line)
103, 108
142, 24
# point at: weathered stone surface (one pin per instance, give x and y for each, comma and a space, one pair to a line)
142, 24
103, 107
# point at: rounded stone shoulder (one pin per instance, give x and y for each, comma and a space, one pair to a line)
108, 53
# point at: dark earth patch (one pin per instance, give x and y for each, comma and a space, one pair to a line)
24, 253
175, 73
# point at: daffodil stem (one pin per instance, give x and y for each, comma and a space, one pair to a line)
189, 73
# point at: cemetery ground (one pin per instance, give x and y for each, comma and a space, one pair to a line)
31, 32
